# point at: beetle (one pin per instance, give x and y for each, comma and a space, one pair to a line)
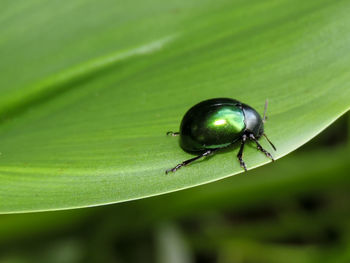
218, 123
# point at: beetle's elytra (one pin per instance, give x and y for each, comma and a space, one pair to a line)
214, 124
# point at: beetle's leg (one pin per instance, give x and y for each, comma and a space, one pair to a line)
240, 153
184, 163
260, 148
273, 146
172, 133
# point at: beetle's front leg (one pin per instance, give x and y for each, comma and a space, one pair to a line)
260, 148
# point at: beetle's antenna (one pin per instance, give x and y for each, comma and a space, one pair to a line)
265, 110
273, 146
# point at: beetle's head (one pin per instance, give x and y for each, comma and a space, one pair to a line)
253, 121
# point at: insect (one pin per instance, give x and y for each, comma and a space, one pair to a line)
215, 124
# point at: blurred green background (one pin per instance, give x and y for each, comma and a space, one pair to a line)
294, 210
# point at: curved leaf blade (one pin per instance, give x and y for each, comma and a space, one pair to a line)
82, 133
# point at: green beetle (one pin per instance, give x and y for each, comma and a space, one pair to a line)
215, 124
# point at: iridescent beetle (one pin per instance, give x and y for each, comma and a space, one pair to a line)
215, 124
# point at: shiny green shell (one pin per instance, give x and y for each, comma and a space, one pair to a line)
211, 124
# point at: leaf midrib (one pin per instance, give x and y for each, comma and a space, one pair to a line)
69, 79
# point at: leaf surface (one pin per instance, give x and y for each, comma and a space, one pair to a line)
88, 90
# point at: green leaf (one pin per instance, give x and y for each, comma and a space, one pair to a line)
88, 90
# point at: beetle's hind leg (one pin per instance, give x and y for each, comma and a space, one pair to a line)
172, 133
240, 153
260, 148
187, 162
